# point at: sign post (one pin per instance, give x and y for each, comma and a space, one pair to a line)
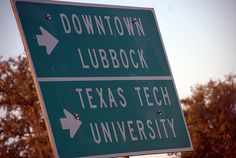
103, 79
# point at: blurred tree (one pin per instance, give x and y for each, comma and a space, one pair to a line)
22, 128
210, 114
211, 117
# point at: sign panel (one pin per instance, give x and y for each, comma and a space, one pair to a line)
103, 79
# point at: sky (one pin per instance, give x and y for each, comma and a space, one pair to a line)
199, 37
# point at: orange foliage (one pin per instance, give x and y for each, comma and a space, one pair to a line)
211, 117
22, 129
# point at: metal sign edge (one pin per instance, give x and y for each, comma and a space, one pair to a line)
39, 93
173, 80
36, 82
84, 4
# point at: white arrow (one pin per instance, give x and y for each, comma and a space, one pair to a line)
70, 122
47, 40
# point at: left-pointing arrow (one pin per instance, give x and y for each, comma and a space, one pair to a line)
70, 122
47, 40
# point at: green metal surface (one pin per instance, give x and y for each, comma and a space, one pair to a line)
126, 99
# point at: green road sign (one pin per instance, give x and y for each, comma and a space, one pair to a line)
103, 79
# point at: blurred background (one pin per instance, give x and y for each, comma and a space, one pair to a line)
199, 38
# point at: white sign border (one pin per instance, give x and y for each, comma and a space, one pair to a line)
36, 81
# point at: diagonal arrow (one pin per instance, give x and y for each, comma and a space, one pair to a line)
47, 40
70, 122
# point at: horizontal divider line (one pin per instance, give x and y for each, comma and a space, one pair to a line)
107, 78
